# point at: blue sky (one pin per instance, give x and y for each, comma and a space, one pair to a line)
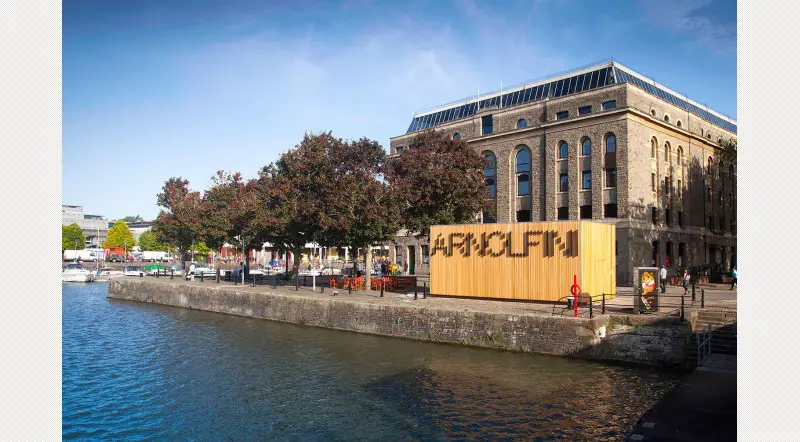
153, 89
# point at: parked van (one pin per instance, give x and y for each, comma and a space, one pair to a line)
155, 256
82, 255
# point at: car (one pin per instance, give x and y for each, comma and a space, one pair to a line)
175, 269
133, 271
116, 258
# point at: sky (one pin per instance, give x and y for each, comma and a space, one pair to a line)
153, 90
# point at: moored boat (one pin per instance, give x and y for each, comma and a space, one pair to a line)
76, 273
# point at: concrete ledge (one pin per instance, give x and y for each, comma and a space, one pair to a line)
524, 332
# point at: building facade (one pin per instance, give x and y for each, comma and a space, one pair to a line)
95, 227
602, 143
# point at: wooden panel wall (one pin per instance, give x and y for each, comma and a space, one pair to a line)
526, 261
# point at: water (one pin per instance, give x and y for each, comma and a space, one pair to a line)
137, 371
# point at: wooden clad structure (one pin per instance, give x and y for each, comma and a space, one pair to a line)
525, 261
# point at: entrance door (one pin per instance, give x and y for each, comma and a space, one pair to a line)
411, 260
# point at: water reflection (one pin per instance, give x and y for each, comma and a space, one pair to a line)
133, 371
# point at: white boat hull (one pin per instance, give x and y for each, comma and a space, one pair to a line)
77, 277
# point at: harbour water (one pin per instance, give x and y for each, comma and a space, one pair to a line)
136, 371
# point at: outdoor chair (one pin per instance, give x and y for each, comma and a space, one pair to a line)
332, 282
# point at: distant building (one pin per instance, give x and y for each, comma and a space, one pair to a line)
95, 227
139, 227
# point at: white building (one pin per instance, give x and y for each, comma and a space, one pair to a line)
95, 227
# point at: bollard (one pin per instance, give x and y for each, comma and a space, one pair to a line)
274, 281
157, 273
591, 312
415, 292
322, 289
172, 274
682, 313
693, 295
424, 289
702, 298
217, 276
604, 304
202, 276
350, 287
382, 284
297, 283
254, 280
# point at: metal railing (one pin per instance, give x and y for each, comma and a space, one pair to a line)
703, 345
668, 305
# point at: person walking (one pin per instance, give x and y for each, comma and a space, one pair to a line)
405, 268
190, 276
384, 268
733, 282
685, 281
663, 275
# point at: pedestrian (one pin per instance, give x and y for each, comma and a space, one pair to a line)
685, 281
733, 282
405, 268
191, 272
663, 275
384, 268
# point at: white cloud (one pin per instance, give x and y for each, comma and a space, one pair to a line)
682, 17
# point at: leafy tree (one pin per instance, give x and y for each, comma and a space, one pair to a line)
178, 223
440, 181
119, 235
362, 210
293, 192
131, 219
71, 237
148, 241
727, 153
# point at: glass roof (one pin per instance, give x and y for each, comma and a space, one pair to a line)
607, 74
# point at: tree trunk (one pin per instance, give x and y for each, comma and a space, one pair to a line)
247, 265
183, 259
354, 255
368, 266
296, 263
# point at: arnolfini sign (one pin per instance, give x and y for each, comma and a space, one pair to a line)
527, 261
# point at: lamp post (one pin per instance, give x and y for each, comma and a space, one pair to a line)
125, 255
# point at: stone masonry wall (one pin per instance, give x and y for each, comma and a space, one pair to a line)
556, 335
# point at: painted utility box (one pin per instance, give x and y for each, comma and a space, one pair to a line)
523, 261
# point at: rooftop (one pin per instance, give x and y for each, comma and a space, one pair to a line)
572, 82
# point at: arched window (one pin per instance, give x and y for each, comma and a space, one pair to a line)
586, 147
653, 111
490, 173
457, 136
666, 118
680, 156
653, 147
611, 143
522, 123
611, 167
563, 150
667, 153
680, 124
523, 171
719, 140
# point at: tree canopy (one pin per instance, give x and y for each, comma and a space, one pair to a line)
130, 219
119, 235
178, 223
72, 237
439, 181
148, 241
727, 153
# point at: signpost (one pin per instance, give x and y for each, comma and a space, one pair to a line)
646, 290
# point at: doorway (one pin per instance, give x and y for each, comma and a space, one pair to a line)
411, 260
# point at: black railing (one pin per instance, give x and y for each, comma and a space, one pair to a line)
668, 305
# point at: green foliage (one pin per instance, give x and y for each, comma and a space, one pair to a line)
440, 181
130, 219
149, 241
119, 235
200, 248
178, 223
70, 236
727, 152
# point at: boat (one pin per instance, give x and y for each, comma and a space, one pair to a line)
133, 271
76, 273
107, 273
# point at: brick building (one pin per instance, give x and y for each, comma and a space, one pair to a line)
602, 143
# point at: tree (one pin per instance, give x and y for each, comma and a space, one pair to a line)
440, 181
362, 210
72, 237
119, 235
727, 152
131, 219
148, 241
294, 197
178, 223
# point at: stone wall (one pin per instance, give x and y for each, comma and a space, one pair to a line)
532, 333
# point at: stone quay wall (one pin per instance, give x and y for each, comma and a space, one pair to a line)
647, 341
